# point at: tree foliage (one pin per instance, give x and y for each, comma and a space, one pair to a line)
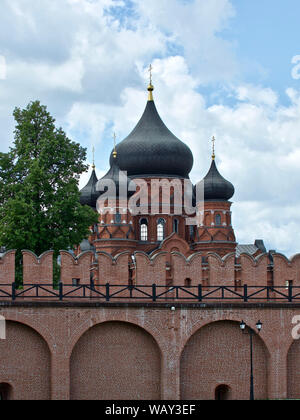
39, 196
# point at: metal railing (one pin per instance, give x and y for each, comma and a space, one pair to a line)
151, 293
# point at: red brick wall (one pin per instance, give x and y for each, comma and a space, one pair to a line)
76, 267
184, 268
113, 270
7, 267
25, 363
37, 269
199, 338
293, 371
286, 270
254, 270
7, 272
221, 269
122, 362
150, 270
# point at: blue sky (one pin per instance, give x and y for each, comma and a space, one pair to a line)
267, 36
220, 67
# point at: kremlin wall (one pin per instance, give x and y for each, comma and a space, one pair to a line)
149, 306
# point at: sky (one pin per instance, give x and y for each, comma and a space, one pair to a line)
223, 68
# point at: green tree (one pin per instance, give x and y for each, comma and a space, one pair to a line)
39, 195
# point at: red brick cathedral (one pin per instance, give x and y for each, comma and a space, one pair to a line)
179, 222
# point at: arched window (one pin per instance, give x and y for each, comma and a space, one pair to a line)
223, 392
191, 231
118, 218
176, 225
187, 282
5, 392
144, 230
161, 229
218, 220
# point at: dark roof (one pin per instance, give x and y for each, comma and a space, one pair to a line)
151, 149
260, 245
89, 194
251, 249
247, 249
215, 186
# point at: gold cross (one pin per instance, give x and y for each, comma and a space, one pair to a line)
150, 71
94, 167
115, 149
213, 142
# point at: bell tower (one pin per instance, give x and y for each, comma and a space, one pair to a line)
214, 231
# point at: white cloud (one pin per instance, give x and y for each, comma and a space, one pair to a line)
2, 68
296, 68
195, 26
257, 95
87, 60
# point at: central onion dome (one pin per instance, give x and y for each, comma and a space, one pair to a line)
152, 150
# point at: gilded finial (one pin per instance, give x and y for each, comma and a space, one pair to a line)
94, 166
150, 87
213, 152
115, 148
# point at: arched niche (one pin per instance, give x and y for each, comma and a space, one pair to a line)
218, 354
115, 361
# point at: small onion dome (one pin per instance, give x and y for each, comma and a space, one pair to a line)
215, 186
152, 150
86, 246
123, 184
89, 195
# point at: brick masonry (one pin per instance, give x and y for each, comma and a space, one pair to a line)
70, 351
83, 349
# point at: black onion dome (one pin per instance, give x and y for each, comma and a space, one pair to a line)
86, 246
116, 175
89, 194
215, 186
151, 149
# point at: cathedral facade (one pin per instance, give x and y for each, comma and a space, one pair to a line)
159, 208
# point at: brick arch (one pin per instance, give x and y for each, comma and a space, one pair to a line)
33, 323
115, 360
25, 362
219, 354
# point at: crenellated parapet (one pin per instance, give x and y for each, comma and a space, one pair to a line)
286, 271
91, 274
254, 271
221, 268
187, 271
37, 269
151, 269
114, 270
7, 271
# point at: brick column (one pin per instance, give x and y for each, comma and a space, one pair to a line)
60, 377
277, 378
170, 376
